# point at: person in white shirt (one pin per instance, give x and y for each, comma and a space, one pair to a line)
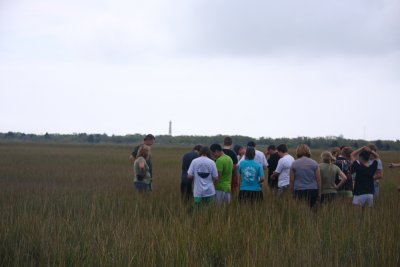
204, 172
282, 172
260, 156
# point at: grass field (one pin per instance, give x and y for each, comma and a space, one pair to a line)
74, 205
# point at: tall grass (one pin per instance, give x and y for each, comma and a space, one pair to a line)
73, 205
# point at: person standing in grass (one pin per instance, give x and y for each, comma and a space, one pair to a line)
282, 172
343, 161
228, 151
365, 171
329, 172
260, 156
142, 181
273, 158
148, 141
225, 169
251, 175
204, 172
186, 183
378, 175
305, 177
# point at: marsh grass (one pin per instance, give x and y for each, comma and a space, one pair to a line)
71, 205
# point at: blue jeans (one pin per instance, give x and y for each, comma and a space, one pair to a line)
142, 187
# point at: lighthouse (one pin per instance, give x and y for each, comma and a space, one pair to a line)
170, 128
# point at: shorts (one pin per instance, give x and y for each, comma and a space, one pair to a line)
345, 193
282, 190
222, 197
205, 200
364, 200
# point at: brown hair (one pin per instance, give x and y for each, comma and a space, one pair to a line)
303, 150
372, 147
327, 157
335, 151
227, 141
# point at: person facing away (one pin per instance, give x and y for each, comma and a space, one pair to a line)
225, 167
228, 151
364, 176
204, 172
344, 163
273, 158
282, 172
329, 172
378, 175
186, 183
251, 175
143, 179
305, 177
260, 156
148, 141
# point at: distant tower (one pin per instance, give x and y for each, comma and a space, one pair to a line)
170, 128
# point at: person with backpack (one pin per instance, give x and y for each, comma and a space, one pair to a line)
343, 161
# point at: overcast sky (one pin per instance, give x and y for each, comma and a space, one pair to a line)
283, 68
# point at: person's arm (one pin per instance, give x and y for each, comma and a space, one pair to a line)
342, 181
190, 172
275, 175
354, 154
318, 176
394, 165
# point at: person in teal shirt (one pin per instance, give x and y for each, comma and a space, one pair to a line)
224, 168
251, 175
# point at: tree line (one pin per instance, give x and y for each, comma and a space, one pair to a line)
190, 140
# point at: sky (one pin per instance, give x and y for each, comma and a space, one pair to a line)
283, 68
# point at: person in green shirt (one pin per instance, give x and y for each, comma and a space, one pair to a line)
224, 167
329, 171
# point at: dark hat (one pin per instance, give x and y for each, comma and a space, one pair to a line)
251, 144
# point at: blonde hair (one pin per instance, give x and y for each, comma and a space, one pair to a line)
303, 150
144, 151
327, 157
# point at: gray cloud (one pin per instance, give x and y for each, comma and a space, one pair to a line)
254, 27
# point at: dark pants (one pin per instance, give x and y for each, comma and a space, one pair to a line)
310, 195
273, 183
327, 198
142, 187
186, 191
250, 196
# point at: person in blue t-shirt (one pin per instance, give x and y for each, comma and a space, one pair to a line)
251, 175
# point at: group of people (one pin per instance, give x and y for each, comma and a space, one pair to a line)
215, 173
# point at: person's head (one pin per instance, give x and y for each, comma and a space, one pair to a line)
236, 148
205, 151
144, 151
303, 150
271, 149
346, 152
327, 157
149, 140
197, 148
282, 149
228, 141
373, 148
250, 153
251, 144
335, 151
216, 150
364, 156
